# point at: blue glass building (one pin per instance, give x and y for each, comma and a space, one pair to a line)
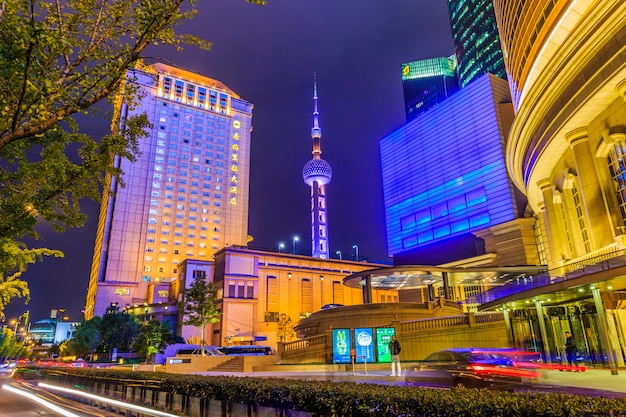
476, 40
444, 174
426, 83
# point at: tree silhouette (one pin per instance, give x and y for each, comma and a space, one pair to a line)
199, 307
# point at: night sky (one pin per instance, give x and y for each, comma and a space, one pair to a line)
267, 55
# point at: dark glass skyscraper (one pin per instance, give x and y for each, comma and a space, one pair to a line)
426, 83
476, 40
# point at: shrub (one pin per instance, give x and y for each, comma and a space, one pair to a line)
349, 399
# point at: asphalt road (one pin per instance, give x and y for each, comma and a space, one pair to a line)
13, 404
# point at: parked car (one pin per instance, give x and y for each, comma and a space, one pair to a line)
331, 306
47, 363
78, 363
471, 368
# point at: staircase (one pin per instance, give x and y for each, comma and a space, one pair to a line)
233, 365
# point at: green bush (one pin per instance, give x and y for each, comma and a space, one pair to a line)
349, 399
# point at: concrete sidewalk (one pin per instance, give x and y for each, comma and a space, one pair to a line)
598, 379
590, 382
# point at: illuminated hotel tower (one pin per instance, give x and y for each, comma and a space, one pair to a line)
317, 173
186, 195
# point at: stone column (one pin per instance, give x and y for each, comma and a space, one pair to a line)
558, 248
446, 286
576, 233
367, 289
544, 231
603, 328
544, 333
507, 323
590, 190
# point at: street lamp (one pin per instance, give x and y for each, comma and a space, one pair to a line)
281, 246
339, 253
295, 239
356, 248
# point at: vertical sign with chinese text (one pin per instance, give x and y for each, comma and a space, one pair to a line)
383, 337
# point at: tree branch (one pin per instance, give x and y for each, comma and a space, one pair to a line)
148, 34
31, 45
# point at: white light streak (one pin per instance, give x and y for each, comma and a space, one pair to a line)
40, 400
128, 406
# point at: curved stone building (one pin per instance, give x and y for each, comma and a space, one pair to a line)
566, 66
567, 72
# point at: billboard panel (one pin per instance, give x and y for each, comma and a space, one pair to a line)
341, 345
383, 337
364, 345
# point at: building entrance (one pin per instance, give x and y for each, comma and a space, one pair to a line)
581, 320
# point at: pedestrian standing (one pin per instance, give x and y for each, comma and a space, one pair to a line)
571, 351
394, 349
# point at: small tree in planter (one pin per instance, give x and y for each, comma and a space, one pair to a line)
153, 336
284, 331
199, 307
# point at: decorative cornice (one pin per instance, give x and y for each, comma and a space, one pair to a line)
576, 136
621, 89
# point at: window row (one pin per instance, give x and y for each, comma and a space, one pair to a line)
454, 205
193, 94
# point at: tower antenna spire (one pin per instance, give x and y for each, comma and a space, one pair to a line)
316, 174
316, 132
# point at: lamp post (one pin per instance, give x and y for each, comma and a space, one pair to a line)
339, 253
295, 239
356, 248
281, 246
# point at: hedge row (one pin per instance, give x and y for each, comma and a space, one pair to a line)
349, 399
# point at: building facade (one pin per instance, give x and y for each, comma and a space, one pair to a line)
255, 288
426, 83
186, 196
476, 41
442, 209
566, 62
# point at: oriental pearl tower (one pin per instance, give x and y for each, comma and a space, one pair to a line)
317, 174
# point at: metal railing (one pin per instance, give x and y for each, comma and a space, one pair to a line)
304, 343
602, 261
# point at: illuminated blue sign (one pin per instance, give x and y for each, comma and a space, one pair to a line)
364, 345
341, 345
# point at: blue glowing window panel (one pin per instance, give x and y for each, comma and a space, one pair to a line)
426, 236
447, 166
457, 204
408, 222
409, 242
460, 226
476, 197
423, 217
178, 88
201, 97
440, 210
479, 220
441, 231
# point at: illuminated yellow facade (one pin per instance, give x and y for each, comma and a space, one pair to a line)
567, 73
566, 65
186, 195
256, 287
